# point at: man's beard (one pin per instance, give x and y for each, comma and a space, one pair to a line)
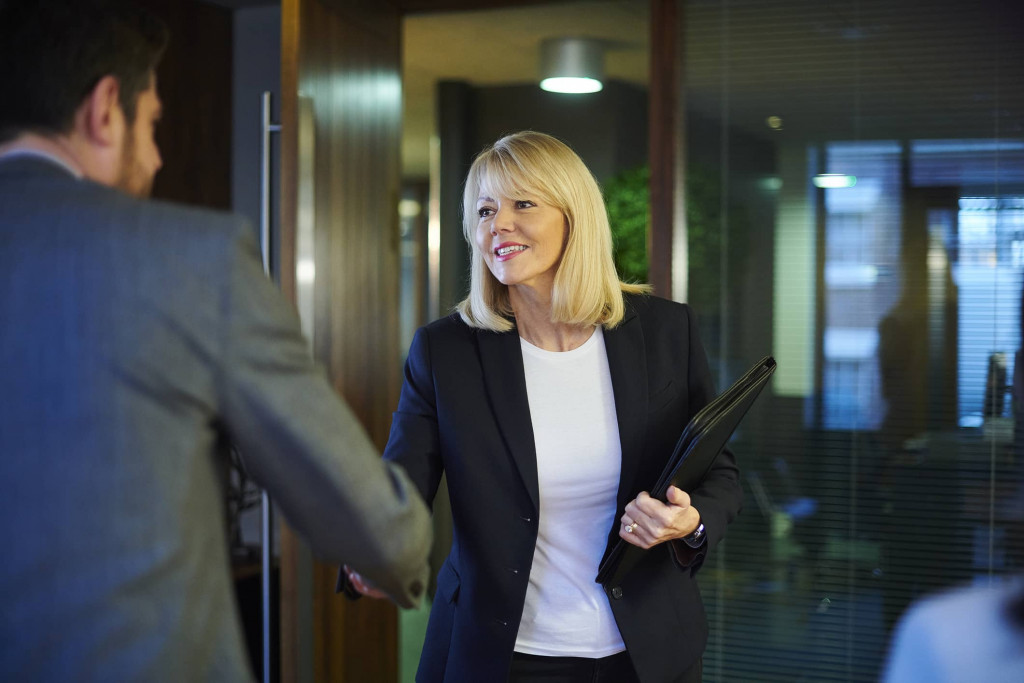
133, 179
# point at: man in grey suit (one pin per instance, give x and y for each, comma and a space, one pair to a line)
135, 337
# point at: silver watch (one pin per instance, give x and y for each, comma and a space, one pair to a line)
696, 539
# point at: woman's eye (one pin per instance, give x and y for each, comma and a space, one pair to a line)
524, 204
485, 211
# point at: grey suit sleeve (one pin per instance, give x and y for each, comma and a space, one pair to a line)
304, 445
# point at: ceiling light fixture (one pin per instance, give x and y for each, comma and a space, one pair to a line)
833, 181
571, 65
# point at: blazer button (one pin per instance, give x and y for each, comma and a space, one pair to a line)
617, 592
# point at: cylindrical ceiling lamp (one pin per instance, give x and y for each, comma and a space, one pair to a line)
571, 65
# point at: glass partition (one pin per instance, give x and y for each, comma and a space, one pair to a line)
868, 220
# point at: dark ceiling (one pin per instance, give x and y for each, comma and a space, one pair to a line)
861, 70
857, 69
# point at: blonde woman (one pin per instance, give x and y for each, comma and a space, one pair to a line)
552, 396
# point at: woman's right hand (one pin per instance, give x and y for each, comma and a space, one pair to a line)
363, 586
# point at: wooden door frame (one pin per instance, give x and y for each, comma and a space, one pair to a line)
666, 163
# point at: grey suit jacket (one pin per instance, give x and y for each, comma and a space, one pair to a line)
133, 336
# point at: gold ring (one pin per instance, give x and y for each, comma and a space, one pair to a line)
631, 528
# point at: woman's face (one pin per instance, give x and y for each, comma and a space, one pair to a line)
521, 240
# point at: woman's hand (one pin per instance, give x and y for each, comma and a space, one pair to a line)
363, 586
648, 522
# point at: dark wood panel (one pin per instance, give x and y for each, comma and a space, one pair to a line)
346, 57
194, 82
664, 133
290, 545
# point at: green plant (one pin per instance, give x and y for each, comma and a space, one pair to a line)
627, 196
628, 199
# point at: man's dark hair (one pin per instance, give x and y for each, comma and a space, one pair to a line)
54, 52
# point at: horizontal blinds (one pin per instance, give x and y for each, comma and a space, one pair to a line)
880, 467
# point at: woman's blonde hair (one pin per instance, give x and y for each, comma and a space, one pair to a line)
587, 289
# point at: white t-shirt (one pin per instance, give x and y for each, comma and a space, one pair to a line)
578, 465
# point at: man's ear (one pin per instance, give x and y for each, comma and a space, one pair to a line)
100, 118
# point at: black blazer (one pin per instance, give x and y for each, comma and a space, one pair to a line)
464, 412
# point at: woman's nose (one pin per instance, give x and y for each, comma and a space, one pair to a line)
502, 221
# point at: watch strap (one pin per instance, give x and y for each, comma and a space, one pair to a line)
695, 539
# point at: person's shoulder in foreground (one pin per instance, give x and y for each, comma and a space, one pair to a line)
961, 636
138, 337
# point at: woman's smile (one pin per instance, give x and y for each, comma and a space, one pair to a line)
509, 250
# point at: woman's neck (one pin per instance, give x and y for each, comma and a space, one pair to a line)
533, 321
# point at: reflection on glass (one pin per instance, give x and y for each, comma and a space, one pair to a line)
305, 237
883, 466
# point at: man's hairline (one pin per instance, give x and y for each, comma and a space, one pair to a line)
70, 129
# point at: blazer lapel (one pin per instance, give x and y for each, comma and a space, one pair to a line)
502, 359
627, 362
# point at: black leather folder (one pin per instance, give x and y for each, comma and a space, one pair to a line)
702, 440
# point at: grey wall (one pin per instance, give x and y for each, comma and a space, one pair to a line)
257, 67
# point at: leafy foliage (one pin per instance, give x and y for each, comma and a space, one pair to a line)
628, 199
627, 196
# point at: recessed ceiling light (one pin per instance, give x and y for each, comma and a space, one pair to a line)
570, 84
571, 65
